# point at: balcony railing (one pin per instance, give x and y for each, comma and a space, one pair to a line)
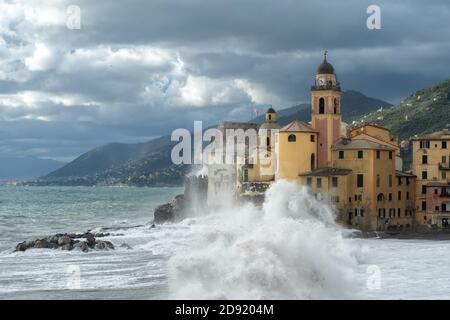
444, 166
326, 87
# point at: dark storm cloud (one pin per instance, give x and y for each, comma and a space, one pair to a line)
138, 69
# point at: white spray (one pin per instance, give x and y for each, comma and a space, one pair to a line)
290, 249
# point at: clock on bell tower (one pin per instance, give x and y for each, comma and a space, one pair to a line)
326, 110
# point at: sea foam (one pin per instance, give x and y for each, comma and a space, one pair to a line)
291, 248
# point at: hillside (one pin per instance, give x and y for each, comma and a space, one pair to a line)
354, 104
424, 111
149, 164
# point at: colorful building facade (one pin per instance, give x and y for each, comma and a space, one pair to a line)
357, 171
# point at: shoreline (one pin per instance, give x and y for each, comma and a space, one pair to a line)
413, 235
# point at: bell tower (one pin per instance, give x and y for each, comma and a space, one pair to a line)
326, 110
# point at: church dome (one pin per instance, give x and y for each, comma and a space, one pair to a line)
325, 67
271, 110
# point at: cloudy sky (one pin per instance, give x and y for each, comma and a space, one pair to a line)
137, 69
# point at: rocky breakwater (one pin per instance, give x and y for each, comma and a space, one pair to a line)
84, 242
194, 198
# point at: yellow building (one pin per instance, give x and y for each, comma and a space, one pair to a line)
296, 148
431, 165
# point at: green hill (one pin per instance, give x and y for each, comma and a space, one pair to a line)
424, 111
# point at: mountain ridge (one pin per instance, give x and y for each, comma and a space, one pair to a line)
149, 163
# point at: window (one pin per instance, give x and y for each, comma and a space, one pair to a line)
341, 154
378, 180
360, 180
335, 106
407, 195
292, 138
360, 154
313, 161
335, 199
424, 175
398, 212
424, 159
435, 191
444, 159
390, 180
390, 155
378, 154
309, 181
334, 182
270, 117
424, 144
424, 189
424, 205
400, 181
407, 181
268, 141
399, 195
313, 138
443, 207
321, 105
245, 175
390, 197
444, 144
361, 212
319, 182
444, 175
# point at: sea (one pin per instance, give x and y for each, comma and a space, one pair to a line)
290, 248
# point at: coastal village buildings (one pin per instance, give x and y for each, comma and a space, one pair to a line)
431, 165
358, 170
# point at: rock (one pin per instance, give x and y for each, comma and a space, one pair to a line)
22, 246
52, 245
64, 240
67, 247
170, 211
82, 245
125, 246
101, 235
55, 238
41, 244
103, 245
90, 241
87, 235
68, 241
153, 226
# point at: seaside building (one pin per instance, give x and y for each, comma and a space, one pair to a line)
358, 171
431, 165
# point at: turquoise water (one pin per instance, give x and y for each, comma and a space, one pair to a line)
27, 213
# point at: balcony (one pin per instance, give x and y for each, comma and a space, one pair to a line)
327, 87
444, 166
445, 193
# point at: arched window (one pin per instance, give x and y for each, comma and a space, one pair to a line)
270, 117
292, 138
268, 141
380, 197
313, 161
335, 106
321, 105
